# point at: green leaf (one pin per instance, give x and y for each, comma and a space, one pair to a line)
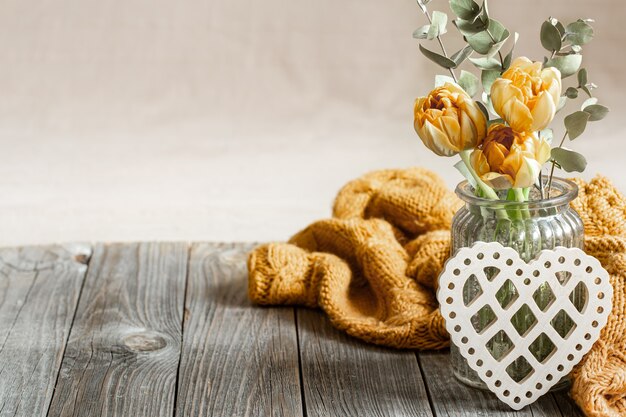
569, 160
582, 77
438, 59
465, 9
568, 64
588, 103
483, 109
469, 82
596, 112
486, 63
547, 135
550, 37
561, 104
489, 42
495, 121
558, 25
470, 27
509, 56
485, 11
571, 92
460, 56
421, 32
438, 26
576, 123
579, 32
462, 168
442, 79
487, 77
586, 90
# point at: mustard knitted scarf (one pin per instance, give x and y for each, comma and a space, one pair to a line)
373, 270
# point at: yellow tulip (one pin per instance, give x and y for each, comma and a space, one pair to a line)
448, 121
526, 96
509, 159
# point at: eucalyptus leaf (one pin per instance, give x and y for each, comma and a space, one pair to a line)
489, 105
568, 64
485, 11
596, 112
579, 32
483, 109
576, 123
588, 102
462, 168
558, 25
438, 25
489, 41
421, 32
443, 79
487, 78
577, 48
586, 90
486, 63
461, 55
469, 82
547, 135
582, 77
571, 92
569, 160
470, 27
509, 56
465, 9
550, 37
438, 59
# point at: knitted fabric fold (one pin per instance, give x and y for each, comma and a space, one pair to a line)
373, 270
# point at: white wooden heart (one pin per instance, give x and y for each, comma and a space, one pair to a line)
549, 268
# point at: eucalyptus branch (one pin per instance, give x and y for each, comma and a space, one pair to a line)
499, 52
554, 164
443, 48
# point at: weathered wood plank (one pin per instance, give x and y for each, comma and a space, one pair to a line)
237, 359
345, 377
454, 399
567, 406
123, 351
39, 291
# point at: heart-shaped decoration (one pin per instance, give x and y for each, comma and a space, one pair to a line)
487, 290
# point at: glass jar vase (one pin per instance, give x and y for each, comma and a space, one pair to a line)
528, 227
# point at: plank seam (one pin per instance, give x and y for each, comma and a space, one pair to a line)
71, 328
302, 395
430, 400
182, 328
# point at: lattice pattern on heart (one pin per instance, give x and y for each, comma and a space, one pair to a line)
522, 327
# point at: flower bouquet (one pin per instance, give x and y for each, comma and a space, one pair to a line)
498, 122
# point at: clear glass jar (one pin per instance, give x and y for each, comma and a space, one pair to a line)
529, 228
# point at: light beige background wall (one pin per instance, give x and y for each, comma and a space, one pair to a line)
231, 120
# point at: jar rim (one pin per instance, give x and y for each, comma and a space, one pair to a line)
567, 191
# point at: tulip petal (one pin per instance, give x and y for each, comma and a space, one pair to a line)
551, 78
543, 112
503, 90
517, 115
479, 162
497, 181
451, 128
436, 140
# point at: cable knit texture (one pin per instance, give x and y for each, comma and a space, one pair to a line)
373, 270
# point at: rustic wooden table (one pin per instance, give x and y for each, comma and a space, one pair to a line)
166, 329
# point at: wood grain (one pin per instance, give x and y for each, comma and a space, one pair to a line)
123, 351
39, 291
451, 398
345, 377
237, 359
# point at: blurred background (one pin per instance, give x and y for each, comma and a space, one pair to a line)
234, 120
